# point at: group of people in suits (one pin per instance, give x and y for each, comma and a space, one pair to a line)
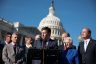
87, 48
13, 53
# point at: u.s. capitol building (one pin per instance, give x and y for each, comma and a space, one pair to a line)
52, 22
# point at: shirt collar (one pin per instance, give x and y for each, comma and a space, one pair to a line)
87, 40
6, 42
13, 43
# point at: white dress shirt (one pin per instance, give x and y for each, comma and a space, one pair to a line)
13, 43
6, 42
86, 42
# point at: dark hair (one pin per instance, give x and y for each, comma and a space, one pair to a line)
28, 36
8, 33
68, 34
89, 30
46, 28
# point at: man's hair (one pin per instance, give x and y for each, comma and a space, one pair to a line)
15, 33
28, 36
18, 36
89, 30
8, 33
46, 28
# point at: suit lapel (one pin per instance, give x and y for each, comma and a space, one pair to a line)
89, 45
82, 47
11, 48
17, 49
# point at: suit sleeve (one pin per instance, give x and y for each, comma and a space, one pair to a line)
22, 58
76, 58
5, 55
79, 54
95, 52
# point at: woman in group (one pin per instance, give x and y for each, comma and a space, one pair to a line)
69, 55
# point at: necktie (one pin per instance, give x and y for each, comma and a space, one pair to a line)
14, 48
85, 45
44, 44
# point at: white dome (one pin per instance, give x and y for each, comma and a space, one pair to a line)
52, 22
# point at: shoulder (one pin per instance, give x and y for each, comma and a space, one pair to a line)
81, 44
21, 46
1, 45
51, 40
93, 42
9, 45
74, 51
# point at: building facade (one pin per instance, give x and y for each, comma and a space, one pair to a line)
6, 26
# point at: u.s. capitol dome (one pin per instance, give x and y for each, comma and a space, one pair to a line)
52, 22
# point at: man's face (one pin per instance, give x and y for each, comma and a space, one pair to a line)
28, 41
45, 35
85, 34
64, 36
14, 38
8, 38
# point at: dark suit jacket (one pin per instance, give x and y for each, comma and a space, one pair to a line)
9, 56
1, 48
50, 44
3, 42
37, 44
88, 57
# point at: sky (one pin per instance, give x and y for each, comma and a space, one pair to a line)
74, 14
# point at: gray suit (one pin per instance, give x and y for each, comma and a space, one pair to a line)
10, 57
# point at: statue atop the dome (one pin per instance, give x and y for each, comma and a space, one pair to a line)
52, 8
52, 3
